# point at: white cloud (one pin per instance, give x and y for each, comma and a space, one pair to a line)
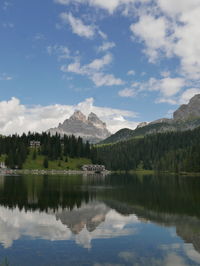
6, 5
168, 29
131, 73
167, 86
166, 100
153, 31
166, 259
170, 113
127, 93
181, 98
8, 25
93, 71
108, 5
98, 64
101, 79
171, 29
73, 67
165, 74
192, 253
187, 45
103, 35
115, 225
169, 89
135, 84
61, 51
172, 251
79, 28
16, 223
106, 46
39, 37
5, 77
77, 25
172, 7
18, 118
95, 65
188, 94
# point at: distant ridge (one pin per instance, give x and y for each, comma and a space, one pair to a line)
89, 128
186, 117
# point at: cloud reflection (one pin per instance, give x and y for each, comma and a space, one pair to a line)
96, 221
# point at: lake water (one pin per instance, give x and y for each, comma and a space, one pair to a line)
100, 221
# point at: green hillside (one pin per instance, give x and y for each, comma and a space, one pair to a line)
38, 163
43, 151
126, 134
171, 151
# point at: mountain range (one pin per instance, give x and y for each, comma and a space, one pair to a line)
186, 117
92, 129
89, 128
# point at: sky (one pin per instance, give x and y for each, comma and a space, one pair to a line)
128, 61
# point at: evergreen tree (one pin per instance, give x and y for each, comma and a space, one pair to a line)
46, 163
34, 155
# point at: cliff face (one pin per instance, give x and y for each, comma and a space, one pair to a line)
188, 111
186, 117
91, 129
89, 216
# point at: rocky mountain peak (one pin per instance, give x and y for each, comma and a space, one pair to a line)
187, 117
78, 115
160, 121
142, 124
93, 118
91, 129
195, 99
188, 111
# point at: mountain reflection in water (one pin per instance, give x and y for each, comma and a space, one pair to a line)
84, 209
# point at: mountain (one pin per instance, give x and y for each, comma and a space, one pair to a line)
91, 129
188, 111
89, 216
186, 117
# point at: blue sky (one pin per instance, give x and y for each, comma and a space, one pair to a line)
127, 60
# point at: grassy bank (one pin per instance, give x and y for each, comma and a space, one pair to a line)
71, 164
137, 171
142, 172
2, 158
37, 163
152, 172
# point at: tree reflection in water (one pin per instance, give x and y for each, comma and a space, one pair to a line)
83, 209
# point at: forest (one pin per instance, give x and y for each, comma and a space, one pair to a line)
170, 151
15, 149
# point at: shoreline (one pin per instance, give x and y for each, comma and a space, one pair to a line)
50, 172
81, 172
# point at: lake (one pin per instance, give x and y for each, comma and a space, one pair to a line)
99, 220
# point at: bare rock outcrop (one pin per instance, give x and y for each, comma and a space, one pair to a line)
188, 111
91, 129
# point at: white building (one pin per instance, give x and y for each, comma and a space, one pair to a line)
94, 168
35, 144
2, 165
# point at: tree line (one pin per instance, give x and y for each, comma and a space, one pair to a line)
15, 148
170, 151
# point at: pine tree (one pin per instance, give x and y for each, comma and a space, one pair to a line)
46, 163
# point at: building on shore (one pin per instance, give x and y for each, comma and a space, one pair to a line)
94, 168
2, 165
35, 144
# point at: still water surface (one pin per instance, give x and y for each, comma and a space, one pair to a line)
100, 221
